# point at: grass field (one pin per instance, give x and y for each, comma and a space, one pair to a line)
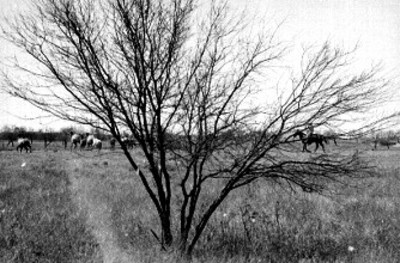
58, 206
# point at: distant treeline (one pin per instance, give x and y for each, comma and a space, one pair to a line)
171, 140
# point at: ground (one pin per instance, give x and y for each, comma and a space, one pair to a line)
93, 204
98, 216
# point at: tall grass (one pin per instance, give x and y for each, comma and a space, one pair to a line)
38, 222
360, 222
265, 223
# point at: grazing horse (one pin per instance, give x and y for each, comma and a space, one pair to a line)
24, 143
129, 143
89, 140
318, 139
112, 143
97, 144
93, 142
384, 142
82, 144
75, 140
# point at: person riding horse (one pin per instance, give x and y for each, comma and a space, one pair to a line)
311, 138
310, 128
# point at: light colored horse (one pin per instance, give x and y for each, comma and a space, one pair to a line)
97, 144
75, 140
24, 143
89, 139
93, 142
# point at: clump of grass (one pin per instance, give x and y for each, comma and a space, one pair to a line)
288, 232
38, 222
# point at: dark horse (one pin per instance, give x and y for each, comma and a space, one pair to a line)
24, 143
318, 139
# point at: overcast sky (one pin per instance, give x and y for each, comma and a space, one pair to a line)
373, 24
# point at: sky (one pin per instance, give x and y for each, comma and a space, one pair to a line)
372, 24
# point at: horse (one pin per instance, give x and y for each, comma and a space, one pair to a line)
93, 142
82, 144
112, 143
24, 143
332, 136
129, 143
318, 139
75, 140
89, 140
97, 144
384, 142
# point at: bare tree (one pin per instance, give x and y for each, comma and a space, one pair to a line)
187, 92
10, 134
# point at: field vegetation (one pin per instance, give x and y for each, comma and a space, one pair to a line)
58, 206
38, 220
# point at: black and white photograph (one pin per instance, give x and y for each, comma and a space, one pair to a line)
190, 131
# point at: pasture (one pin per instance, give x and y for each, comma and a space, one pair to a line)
62, 206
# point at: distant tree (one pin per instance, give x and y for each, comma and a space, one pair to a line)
66, 130
6, 128
64, 135
10, 134
99, 133
7, 134
171, 67
48, 137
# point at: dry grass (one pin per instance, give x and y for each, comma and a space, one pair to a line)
38, 221
258, 223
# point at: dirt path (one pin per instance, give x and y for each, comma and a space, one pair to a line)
98, 216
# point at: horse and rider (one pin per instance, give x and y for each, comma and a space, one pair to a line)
308, 138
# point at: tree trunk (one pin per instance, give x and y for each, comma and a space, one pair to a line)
167, 238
